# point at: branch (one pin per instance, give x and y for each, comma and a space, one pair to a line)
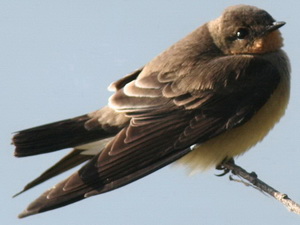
260, 185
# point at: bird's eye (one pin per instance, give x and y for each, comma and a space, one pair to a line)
242, 33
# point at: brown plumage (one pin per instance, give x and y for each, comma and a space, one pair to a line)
203, 96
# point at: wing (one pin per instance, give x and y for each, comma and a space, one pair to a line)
170, 111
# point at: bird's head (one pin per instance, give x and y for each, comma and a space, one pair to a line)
244, 29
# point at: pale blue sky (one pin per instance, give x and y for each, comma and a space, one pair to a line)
56, 60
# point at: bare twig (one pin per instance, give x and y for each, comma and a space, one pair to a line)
262, 186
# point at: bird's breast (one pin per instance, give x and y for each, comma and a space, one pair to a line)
238, 140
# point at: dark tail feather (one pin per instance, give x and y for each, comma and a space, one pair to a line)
55, 136
74, 158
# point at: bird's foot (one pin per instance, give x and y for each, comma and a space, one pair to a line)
221, 167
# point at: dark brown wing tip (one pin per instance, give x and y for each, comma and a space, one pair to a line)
26, 213
35, 207
66, 192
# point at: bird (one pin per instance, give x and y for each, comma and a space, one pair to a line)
206, 99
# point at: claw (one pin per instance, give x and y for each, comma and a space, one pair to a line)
221, 167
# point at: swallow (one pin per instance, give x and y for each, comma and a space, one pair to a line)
208, 98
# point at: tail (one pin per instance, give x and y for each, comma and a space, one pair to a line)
55, 136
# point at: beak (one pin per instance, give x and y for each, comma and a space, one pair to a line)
274, 26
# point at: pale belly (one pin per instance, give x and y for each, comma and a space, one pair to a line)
238, 140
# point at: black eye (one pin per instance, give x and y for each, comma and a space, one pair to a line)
242, 33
